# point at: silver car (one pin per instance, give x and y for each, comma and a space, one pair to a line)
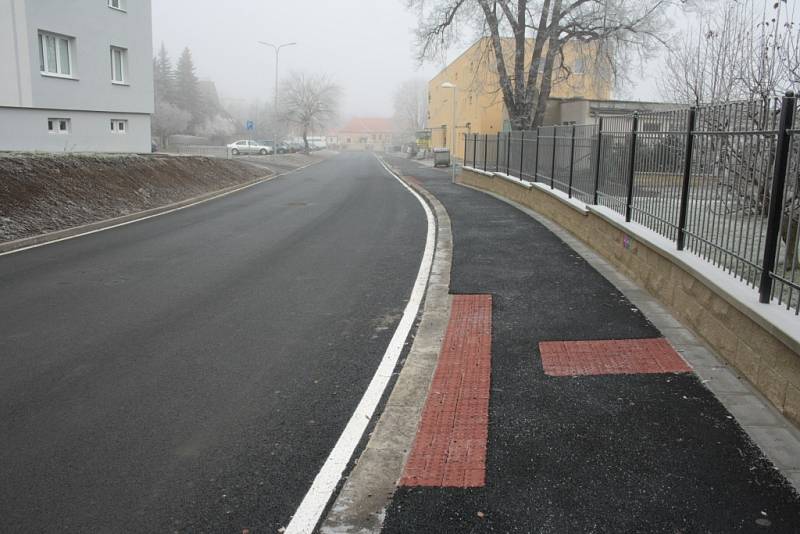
249, 147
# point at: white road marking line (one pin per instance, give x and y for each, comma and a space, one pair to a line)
316, 499
226, 193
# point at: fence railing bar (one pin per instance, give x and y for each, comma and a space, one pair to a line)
631, 168
776, 196
687, 175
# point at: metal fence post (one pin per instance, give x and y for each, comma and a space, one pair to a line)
571, 164
776, 197
465, 147
597, 158
497, 153
553, 166
631, 169
508, 153
536, 157
474, 150
485, 150
521, 154
687, 172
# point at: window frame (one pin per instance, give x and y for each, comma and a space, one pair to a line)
44, 59
121, 5
53, 121
123, 58
115, 126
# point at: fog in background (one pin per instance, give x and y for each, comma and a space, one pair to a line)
366, 46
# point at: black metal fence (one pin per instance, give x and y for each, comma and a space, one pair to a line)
722, 181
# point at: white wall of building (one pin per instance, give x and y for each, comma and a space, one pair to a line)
90, 131
88, 98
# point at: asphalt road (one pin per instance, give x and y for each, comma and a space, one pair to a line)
192, 372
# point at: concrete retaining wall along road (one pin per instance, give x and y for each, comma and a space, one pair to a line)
761, 341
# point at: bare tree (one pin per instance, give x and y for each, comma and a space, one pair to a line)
609, 31
310, 102
411, 107
168, 119
740, 50
736, 61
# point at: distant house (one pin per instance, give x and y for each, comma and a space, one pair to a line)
76, 76
366, 134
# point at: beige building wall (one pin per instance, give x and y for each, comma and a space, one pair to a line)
479, 101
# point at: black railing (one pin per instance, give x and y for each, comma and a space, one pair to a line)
722, 181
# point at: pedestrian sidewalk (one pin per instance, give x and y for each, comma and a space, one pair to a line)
595, 422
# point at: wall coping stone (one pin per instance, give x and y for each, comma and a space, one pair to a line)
577, 205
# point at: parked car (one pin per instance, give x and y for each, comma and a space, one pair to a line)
283, 148
249, 147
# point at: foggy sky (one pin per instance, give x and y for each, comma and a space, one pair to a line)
366, 46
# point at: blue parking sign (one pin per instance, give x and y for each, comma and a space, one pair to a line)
250, 125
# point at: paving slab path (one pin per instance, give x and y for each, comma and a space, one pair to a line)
608, 447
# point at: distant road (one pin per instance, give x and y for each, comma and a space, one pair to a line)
192, 372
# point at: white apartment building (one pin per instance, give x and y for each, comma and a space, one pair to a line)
76, 75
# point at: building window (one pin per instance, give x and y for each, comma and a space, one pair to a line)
117, 4
55, 54
119, 64
58, 126
580, 66
119, 126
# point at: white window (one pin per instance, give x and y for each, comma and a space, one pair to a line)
580, 66
55, 54
119, 126
117, 4
58, 126
119, 64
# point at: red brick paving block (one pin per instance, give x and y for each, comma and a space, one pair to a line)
450, 447
616, 356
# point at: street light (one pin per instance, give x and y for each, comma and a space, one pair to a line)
275, 109
448, 85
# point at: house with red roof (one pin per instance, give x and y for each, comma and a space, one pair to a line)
366, 133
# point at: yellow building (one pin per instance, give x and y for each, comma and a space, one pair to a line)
479, 100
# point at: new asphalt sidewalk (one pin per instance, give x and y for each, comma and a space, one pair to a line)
578, 442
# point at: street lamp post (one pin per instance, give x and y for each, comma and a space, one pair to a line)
275, 109
448, 85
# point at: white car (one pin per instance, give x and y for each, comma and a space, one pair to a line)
249, 147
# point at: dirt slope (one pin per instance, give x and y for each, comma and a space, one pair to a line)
43, 193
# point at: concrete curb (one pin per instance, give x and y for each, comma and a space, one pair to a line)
19, 245
361, 504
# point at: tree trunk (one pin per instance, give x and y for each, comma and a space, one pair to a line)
553, 47
790, 232
305, 139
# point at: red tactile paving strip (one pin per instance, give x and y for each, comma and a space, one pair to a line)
450, 447
616, 356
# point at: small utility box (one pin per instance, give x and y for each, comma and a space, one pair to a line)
441, 157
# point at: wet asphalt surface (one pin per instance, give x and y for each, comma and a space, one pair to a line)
627, 453
192, 372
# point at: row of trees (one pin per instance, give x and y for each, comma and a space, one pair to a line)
183, 104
